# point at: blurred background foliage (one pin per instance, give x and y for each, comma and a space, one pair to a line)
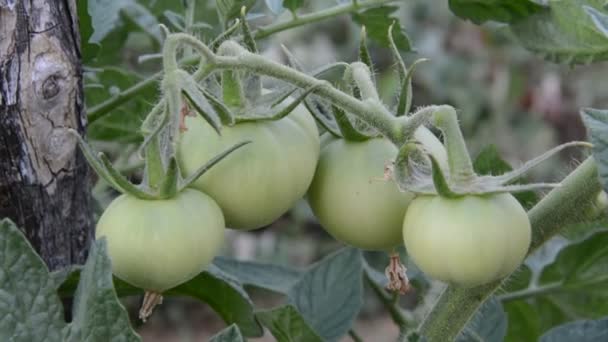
506, 96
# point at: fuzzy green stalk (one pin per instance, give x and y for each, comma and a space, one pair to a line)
562, 206
362, 77
370, 111
459, 161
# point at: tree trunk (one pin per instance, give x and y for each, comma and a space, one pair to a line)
45, 186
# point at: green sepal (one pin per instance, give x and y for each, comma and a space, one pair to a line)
349, 132
364, 55
232, 93
441, 184
315, 106
517, 173
154, 168
208, 165
123, 182
283, 109
198, 100
168, 186
247, 36
95, 162
322, 115
404, 105
225, 114
150, 148
215, 44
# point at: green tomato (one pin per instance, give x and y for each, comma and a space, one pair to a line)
351, 199
259, 182
159, 244
469, 241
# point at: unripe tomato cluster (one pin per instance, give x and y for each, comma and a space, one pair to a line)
158, 244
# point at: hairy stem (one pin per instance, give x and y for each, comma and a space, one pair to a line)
461, 167
101, 109
306, 19
368, 110
390, 304
561, 206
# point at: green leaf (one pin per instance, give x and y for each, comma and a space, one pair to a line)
105, 15
524, 322
123, 123
89, 49
488, 324
599, 19
275, 6
272, 277
573, 286
216, 288
144, 19
329, 294
581, 331
98, 315
230, 334
506, 11
29, 307
565, 32
231, 9
293, 5
489, 162
286, 324
377, 22
596, 121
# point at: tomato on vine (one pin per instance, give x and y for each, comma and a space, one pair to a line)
469, 240
350, 197
258, 184
159, 244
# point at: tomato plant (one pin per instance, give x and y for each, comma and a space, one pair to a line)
261, 182
470, 240
351, 197
159, 244
217, 126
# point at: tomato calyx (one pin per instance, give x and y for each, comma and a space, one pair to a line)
151, 300
418, 171
398, 281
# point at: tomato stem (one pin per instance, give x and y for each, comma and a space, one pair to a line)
459, 161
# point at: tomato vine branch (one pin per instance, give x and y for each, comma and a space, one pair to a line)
305, 19
391, 305
562, 206
100, 110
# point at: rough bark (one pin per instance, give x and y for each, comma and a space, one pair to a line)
44, 179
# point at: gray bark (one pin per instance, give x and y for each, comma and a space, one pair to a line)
45, 186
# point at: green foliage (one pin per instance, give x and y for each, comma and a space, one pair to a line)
293, 5
122, 124
580, 331
572, 286
286, 324
489, 162
214, 287
230, 334
596, 121
31, 309
231, 9
489, 324
89, 49
506, 11
377, 22
569, 32
271, 277
329, 294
